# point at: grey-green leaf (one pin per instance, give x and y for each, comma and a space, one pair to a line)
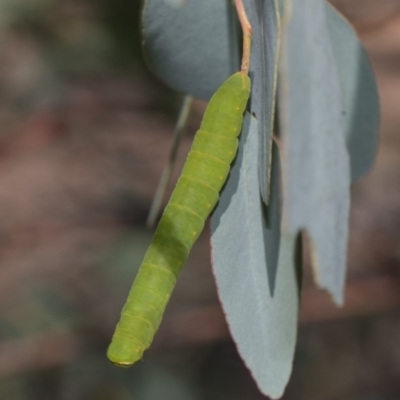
191, 45
360, 96
255, 269
317, 167
264, 18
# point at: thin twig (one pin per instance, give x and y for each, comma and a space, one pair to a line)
176, 140
247, 33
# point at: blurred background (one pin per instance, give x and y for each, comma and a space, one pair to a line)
84, 134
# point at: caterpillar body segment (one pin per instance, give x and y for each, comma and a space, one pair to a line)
194, 197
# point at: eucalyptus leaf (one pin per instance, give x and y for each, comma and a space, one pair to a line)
317, 165
360, 96
256, 269
264, 18
198, 61
191, 45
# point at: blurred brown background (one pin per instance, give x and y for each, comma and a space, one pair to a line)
85, 132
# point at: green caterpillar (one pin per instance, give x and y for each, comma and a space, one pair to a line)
194, 197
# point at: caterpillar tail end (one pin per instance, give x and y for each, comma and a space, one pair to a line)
123, 354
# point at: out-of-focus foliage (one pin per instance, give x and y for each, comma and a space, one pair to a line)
69, 206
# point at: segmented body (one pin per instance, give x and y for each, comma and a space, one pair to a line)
194, 197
